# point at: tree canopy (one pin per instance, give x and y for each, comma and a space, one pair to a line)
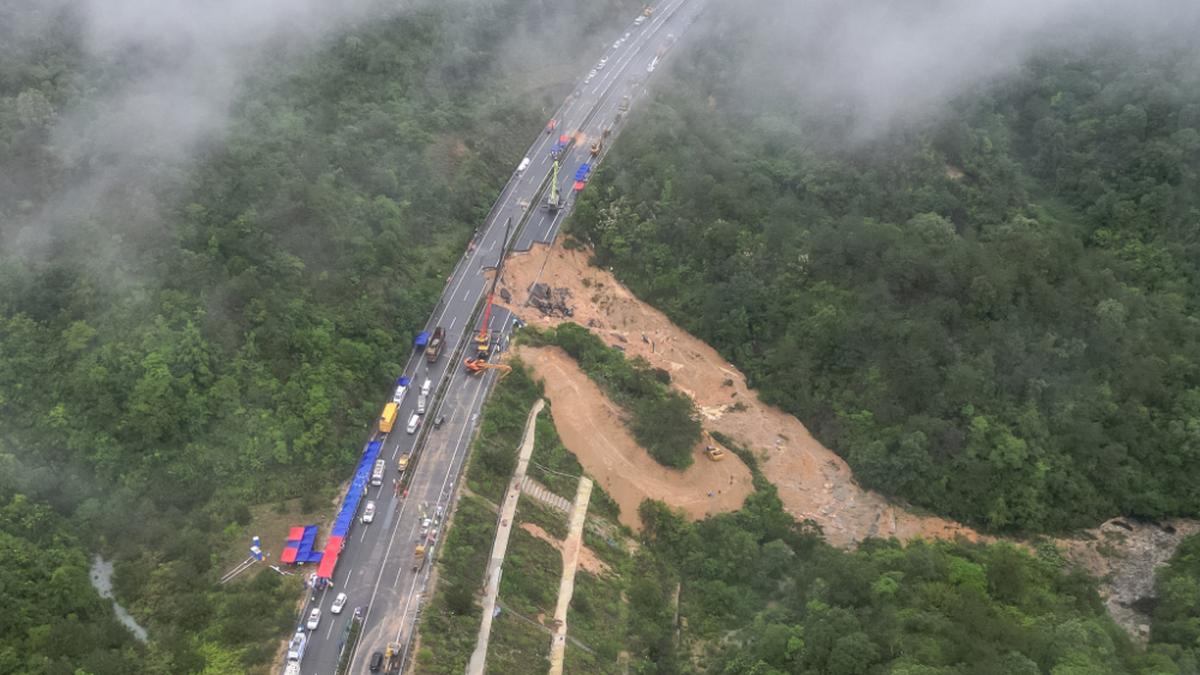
990, 312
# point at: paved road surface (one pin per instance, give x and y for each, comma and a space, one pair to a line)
376, 568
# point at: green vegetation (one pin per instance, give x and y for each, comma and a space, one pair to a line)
54, 621
991, 314
1176, 626
597, 619
450, 622
494, 452
759, 594
223, 335
662, 420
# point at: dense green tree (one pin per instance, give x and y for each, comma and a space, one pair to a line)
988, 312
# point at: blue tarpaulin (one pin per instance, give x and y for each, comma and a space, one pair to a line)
422, 339
402, 381
341, 525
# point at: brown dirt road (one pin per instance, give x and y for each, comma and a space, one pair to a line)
813, 482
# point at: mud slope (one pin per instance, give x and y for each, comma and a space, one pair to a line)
813, 482
590, 426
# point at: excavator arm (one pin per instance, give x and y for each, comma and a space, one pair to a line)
476, 366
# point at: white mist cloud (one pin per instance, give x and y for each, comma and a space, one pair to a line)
892, 59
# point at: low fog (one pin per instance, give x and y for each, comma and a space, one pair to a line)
890, 61
161, 77
171, 69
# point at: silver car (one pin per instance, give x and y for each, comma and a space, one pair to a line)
369, 512
314, 619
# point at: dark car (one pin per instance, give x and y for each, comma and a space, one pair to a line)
376, 662
439, 422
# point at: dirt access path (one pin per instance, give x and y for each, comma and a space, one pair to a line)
813, 482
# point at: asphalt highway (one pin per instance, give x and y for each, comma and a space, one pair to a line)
377, 569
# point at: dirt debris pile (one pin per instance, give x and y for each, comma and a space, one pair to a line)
551, 302
814, 483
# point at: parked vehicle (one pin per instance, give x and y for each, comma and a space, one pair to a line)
368, 515
426, 386
421, 401
434, 350
401, 390
377, 474
523, 165
388, 417
296, 646
376, 662
314, 618
437, 424
338, 603
413, 423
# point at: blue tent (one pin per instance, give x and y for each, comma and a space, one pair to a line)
422, 339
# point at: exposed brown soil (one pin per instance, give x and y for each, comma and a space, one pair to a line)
813, 482
590, 426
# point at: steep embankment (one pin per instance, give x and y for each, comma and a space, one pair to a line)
813, 482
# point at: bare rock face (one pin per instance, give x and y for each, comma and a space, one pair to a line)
1124, 555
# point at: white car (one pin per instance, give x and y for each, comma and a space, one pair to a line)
626, 36
338, 603
639, 21
296, 646
618, 42
603, 62
590, 75
314, 619
369, 512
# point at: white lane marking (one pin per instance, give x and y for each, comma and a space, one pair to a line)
450, 471
465, 293
452, 322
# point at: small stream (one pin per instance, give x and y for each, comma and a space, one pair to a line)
101, 577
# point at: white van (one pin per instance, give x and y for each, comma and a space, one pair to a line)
413, 422
523, 165
426, 387
377, 474
421, 400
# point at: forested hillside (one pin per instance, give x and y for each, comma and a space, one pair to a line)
219, 335
761, 594
989, 309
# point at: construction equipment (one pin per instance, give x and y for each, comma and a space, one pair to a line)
418, 556
477, 366
483, 340
648, 11
714, 453
554, 200
597, 146
391, 658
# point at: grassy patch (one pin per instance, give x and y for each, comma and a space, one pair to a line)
597, 619
516, 646
551, 520
662, 420
532, 570
451, 622
494, 456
